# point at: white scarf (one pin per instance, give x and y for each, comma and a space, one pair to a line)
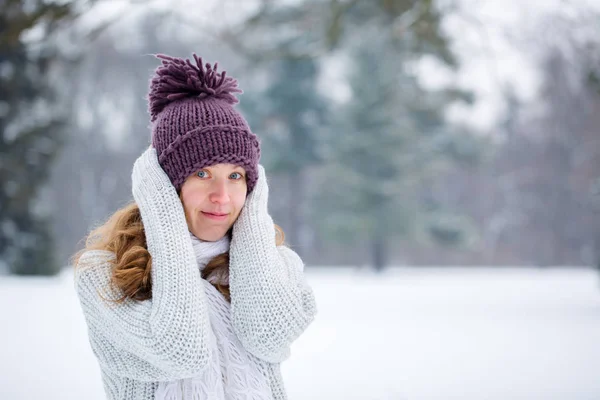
184, 389
206, 251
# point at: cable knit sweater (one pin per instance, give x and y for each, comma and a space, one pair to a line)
175, 336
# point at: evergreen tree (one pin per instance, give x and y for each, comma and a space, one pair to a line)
289, 114
278, 32
30, 133
391, 135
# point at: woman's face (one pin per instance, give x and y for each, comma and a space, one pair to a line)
212, 200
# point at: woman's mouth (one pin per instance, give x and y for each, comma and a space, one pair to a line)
215, 216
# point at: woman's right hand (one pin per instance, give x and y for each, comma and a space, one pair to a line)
147, 175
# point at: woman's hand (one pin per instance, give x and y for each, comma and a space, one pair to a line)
256, 202
271, 303
147, 173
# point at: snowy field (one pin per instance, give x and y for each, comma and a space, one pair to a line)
410, 334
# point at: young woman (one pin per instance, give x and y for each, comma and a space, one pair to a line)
189, 292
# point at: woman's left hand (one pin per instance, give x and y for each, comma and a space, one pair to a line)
256, 202
271, 302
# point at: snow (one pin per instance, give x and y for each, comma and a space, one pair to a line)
409, 334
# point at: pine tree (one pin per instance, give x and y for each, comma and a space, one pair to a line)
390, 125
289, 114
30, 134
390, 136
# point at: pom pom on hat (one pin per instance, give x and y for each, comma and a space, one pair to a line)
177, 79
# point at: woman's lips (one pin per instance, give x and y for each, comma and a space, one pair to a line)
216, 217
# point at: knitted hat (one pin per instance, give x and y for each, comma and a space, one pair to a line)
194, 122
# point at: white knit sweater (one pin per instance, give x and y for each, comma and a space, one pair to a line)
143, 347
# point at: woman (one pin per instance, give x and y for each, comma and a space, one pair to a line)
188, 292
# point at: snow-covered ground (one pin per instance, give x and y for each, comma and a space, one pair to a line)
410, 334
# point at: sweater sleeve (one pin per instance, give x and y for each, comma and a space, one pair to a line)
271, 302
167, 337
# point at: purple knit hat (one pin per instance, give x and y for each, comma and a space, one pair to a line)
194, 122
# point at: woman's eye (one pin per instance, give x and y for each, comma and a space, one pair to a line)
202, 174
236, 176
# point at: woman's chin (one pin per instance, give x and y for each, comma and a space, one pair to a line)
209, 236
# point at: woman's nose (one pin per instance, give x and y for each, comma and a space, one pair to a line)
219, 193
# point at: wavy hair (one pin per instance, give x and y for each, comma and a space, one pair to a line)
123, 234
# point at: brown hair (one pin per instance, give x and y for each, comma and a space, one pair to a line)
123, 234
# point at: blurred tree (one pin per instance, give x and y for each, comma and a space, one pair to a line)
388, 117
548, 164
316, 28
593, 78
289, 115
390, 137
109, 123
559, 173
31, 124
